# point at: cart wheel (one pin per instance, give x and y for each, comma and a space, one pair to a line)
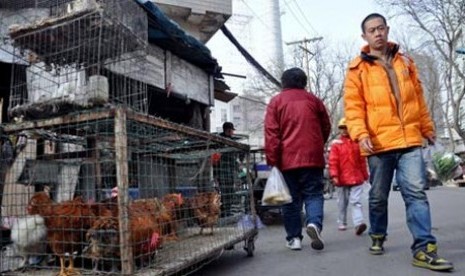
266, 217
249, 247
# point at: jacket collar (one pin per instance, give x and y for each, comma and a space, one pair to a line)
392, 50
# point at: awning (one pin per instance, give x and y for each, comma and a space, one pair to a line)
222, 91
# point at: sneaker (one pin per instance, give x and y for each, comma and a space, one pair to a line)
429, 259
377, 245
360, 229
294, 244
314, 234
342, 227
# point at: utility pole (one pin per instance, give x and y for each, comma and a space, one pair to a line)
303, 44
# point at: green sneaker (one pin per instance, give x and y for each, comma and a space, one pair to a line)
377, 245
429, 259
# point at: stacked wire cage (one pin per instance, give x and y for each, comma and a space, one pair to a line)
91, 182
138, 194
70, 55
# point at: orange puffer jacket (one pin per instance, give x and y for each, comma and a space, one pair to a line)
346, 163
371, 109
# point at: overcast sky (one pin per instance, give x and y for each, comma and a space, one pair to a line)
335, 20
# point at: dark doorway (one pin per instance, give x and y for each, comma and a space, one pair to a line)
5, 88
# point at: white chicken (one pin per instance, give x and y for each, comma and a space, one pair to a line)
29, 235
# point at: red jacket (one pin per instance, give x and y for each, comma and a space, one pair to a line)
346, 163
296, 128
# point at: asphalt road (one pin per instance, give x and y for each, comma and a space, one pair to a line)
346, 254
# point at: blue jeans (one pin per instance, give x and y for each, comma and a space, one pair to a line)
411, 178
306, 187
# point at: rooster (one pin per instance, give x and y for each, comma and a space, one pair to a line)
28, 234
206, 207
66, 224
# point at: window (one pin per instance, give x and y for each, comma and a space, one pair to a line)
224, 115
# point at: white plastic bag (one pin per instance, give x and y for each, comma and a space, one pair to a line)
276, 191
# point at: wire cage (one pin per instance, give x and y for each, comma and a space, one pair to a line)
76, 54
141, 195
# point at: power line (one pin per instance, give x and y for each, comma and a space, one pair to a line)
303, 15
297, 17
257, 16
249, 57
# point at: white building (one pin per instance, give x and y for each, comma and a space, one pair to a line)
257, 27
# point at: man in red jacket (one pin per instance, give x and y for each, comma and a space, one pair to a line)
348, 171
296, 128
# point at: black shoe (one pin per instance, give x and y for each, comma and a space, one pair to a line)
359, 229
428, 258
377, 246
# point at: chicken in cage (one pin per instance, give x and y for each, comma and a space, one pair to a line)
117, 191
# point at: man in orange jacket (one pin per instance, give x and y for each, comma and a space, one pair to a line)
387, 115
348, 171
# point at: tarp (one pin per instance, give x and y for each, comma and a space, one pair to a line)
168, 35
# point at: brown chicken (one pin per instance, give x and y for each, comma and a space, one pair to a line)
206, 207
172, 204
66, 224
103, 236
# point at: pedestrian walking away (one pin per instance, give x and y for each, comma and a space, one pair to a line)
297, 126
348, 172
387, 115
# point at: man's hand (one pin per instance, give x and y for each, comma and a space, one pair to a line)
335, 180
366, 145
431, 139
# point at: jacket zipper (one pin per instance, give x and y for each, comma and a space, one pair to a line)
394, 83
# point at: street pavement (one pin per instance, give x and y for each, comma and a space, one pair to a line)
346, 254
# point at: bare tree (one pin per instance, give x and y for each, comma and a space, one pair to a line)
440, 26
326, 68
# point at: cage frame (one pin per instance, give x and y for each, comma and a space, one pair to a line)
121, 115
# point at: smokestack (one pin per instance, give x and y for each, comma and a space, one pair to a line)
272, 37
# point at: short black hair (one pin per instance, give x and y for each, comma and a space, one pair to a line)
294, 78
371, 16
228, 125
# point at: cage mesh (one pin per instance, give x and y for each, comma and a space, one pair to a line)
72, 55
84, 156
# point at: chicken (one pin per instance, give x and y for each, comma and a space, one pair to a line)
103, 237
66, 224
172, 203
28, 235
206, 207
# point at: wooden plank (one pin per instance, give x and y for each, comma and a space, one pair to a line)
66, 155
122, 179
95, 155
131, 115
189, 80
58, 121
184, 129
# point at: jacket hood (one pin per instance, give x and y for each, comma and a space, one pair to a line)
392, 49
